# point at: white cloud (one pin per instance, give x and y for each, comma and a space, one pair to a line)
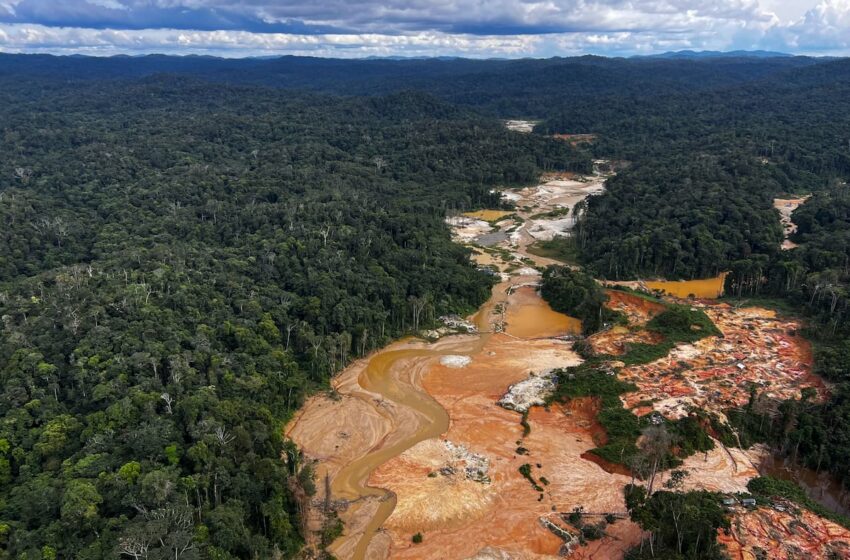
395, 16
474, 28
788, 10
37, 38
824, 29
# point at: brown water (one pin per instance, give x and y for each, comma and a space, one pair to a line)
381, 376
529, 316
378, 377
350, 482
710, 288
822, 488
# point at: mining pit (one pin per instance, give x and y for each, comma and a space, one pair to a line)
769, 533
426, 436
757, 349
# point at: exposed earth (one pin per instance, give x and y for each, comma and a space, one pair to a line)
523, 126
768, 533
415, 441
786, 207
757, 349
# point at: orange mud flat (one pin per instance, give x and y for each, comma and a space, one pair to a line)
399, 465
767, 533
461, 487
459, 518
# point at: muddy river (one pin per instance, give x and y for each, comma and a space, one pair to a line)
391, 382
379, 378
528, 316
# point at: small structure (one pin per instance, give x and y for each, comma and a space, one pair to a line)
749, 503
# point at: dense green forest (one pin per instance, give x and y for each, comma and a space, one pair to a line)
507, 88
679, 525
705, 167
180, 264
710, 141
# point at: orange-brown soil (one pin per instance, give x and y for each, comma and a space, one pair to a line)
638, 310
499, 517
767, 533
757, 349
616, 341
721, 469
504, 513
337, 432
607, 466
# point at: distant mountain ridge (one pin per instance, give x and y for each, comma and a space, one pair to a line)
499, 87
686, 54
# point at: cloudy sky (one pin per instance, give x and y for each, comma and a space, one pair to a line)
473, 28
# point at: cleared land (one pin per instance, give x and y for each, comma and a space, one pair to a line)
768, 533
416, 441
786, 207
523, 126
